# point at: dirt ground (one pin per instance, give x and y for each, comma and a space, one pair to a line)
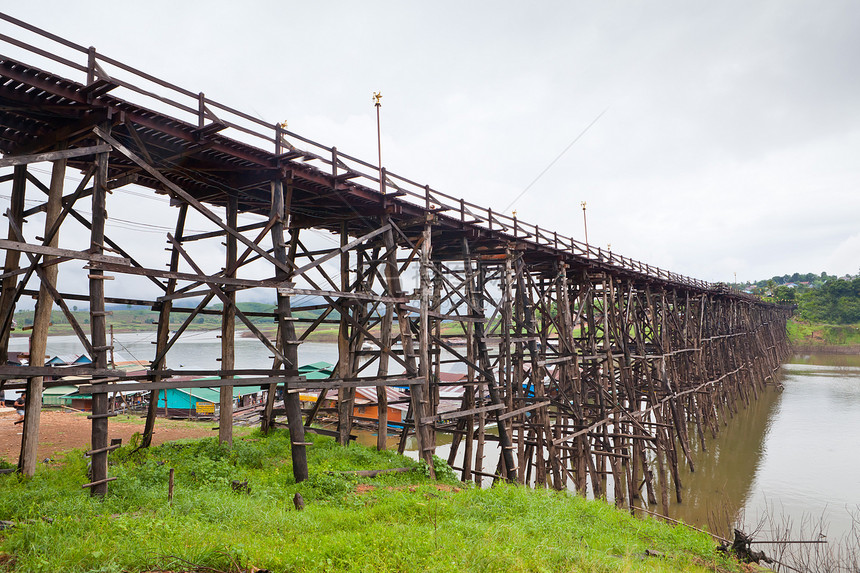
61, 431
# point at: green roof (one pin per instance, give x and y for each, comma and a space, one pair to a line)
59, 390
214, 394
316, 371
316, 366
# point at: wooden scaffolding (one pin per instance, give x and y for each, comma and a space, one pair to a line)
583, 369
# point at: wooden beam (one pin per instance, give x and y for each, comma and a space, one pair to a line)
57, 252
332, 254
10, 161
519, 411
177, 384
461, 413
292, 291
185, 196
206, 279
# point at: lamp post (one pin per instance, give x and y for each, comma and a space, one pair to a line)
585, 225
377, 101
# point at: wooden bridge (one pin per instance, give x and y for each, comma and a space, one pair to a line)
597, 371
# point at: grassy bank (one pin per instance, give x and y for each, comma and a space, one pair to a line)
810, 334
393, 522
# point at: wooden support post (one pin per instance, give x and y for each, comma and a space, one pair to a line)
228, 328
41, 321
10, 281
162, 333
345, 396
435, 350
505, 443
385, 333
420, 392
407, 339
287, 329
97, 326
469, 395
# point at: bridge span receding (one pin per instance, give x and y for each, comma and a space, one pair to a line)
596, 370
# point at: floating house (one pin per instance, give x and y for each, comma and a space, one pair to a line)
366, 400
59, 395
366, 404
192, 402
69, 360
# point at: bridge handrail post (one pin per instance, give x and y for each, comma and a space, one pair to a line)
91, 65
201, 110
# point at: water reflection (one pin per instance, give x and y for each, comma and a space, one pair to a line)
723, 481
811, 467
831, 360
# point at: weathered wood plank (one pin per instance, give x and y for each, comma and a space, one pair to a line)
293, 291
518, 411
461, 413
10, 161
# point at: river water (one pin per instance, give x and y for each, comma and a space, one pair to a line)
792, 455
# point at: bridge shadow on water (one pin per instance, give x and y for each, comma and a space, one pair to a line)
716, 493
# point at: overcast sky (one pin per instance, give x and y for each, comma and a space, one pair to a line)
729, 143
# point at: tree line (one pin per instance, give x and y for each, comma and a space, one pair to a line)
819, 297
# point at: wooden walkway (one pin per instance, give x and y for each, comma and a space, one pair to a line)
597, 371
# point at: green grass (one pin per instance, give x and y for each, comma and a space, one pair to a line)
817, 334
394, 522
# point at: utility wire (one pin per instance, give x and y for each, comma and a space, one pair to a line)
553, 162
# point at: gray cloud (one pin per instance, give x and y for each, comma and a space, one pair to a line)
729, 144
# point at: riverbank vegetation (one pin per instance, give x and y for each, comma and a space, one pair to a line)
828, 307
810, 334
398, 521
